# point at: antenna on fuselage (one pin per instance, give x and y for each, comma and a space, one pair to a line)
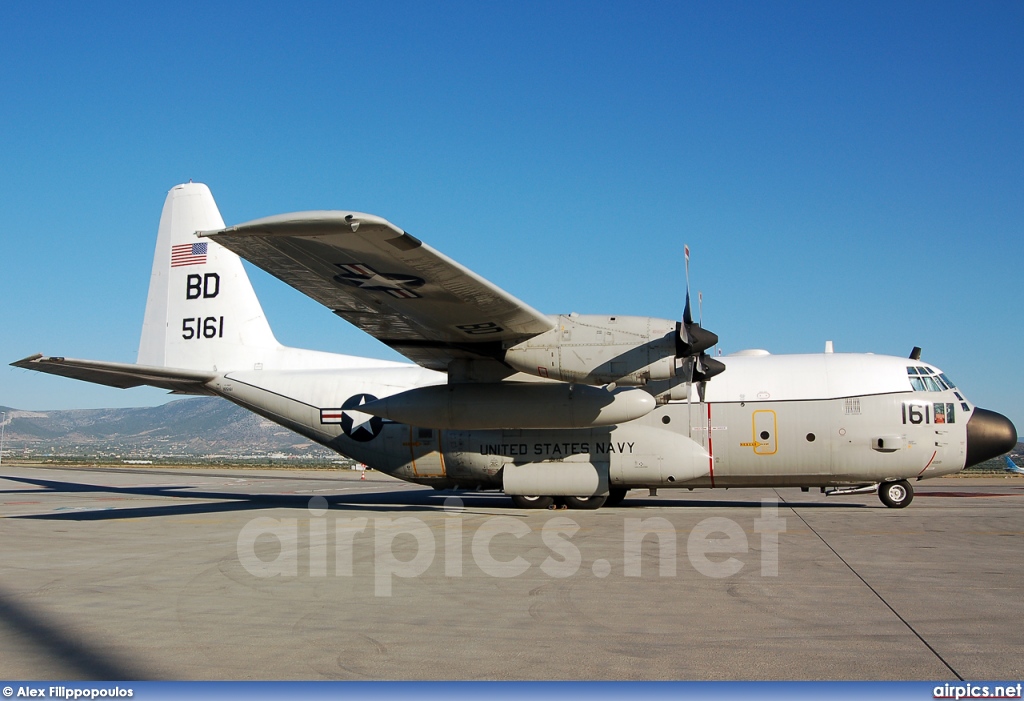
700, 318
916, 353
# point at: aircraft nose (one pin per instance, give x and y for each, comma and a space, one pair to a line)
988, 435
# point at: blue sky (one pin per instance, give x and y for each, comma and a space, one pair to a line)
844, 171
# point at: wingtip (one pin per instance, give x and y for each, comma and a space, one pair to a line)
25, 362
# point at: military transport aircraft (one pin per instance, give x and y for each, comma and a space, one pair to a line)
570, 409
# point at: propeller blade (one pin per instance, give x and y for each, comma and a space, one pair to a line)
689, 399
692, 340
687, 314
682, 340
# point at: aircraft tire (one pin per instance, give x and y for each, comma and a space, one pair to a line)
586, 502
525, 502
896, 495
615, 496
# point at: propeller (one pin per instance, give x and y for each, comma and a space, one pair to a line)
692, 340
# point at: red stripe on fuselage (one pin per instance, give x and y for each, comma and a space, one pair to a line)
929, 463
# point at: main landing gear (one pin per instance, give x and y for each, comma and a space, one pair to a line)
613, 498
896, 495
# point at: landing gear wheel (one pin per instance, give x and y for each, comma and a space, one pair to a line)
524, 502
615, 496
585, 502
896, 495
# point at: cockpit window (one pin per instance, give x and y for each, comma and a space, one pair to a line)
928, 379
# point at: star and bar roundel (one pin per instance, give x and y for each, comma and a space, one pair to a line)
366, 278
355, 424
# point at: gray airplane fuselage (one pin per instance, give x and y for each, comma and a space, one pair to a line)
785, 421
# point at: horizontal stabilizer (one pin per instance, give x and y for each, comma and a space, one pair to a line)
122, 375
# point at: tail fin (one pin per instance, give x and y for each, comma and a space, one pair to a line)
1011, 466
202, 313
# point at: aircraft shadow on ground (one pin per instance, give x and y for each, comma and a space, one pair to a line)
402, 500
74, 656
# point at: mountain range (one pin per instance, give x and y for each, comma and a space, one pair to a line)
195, 427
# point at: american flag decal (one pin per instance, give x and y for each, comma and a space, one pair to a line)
188, 254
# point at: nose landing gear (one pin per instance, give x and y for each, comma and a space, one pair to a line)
896, 495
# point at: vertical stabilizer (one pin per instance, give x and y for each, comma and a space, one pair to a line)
202, 312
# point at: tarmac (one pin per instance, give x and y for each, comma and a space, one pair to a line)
239, 574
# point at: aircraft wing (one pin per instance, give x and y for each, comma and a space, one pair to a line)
122, 375
388, 283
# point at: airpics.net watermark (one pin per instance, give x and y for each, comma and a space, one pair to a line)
711, 546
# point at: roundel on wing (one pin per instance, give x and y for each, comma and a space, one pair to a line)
358, 425
366, 278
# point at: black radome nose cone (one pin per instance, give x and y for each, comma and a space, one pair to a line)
989, 435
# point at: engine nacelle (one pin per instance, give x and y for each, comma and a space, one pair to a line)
596, 350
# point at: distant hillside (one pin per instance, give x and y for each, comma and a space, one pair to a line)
999, 464
194, 427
